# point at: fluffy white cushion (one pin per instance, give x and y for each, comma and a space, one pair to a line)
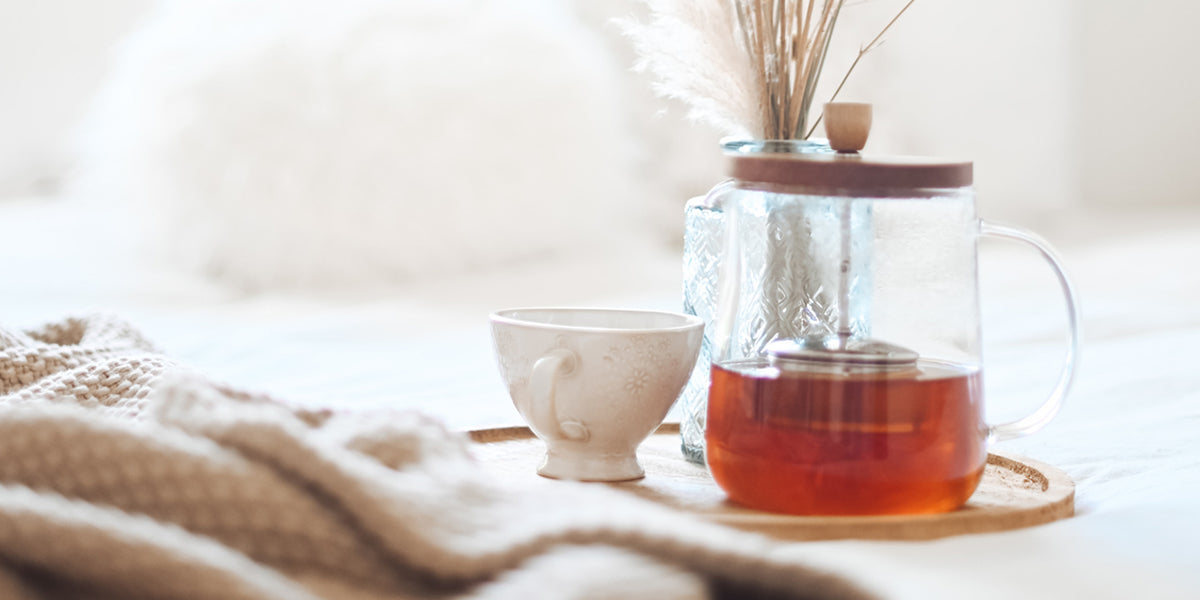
309, 143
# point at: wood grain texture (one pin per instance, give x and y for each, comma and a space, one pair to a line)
847, 125
1015, 492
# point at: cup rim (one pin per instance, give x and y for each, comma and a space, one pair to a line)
505, 316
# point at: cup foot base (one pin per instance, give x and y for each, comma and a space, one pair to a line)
590, 467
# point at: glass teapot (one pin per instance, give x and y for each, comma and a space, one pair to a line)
848, 379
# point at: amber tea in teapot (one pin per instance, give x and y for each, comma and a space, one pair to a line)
810, 442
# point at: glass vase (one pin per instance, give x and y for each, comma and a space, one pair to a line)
789, 243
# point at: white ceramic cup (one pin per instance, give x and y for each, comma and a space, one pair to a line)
594, 383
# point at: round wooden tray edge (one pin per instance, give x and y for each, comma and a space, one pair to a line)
1056, 485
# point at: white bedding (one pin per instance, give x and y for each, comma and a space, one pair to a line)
1129, 435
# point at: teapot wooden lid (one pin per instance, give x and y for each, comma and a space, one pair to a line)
849, 174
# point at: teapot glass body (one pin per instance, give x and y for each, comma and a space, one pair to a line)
872, 401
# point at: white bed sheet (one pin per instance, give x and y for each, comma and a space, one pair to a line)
1129, 435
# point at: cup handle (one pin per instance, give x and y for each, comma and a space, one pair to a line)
1039, 418
543, 379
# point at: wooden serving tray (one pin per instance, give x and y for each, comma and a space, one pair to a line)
1015, 492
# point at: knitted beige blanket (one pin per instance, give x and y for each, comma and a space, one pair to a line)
123, 475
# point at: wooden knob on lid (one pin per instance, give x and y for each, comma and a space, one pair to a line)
847, 124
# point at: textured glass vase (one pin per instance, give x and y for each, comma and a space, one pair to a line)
784, 239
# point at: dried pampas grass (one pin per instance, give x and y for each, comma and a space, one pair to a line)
748, 67
693, 48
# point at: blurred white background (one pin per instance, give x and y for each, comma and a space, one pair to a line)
54, 55
1070, 108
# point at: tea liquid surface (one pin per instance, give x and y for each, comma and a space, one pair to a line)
845, 443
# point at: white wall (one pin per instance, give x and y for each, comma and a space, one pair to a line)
1139, 104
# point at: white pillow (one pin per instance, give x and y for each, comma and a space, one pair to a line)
310, 143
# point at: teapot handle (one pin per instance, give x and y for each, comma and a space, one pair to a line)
1039, 418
